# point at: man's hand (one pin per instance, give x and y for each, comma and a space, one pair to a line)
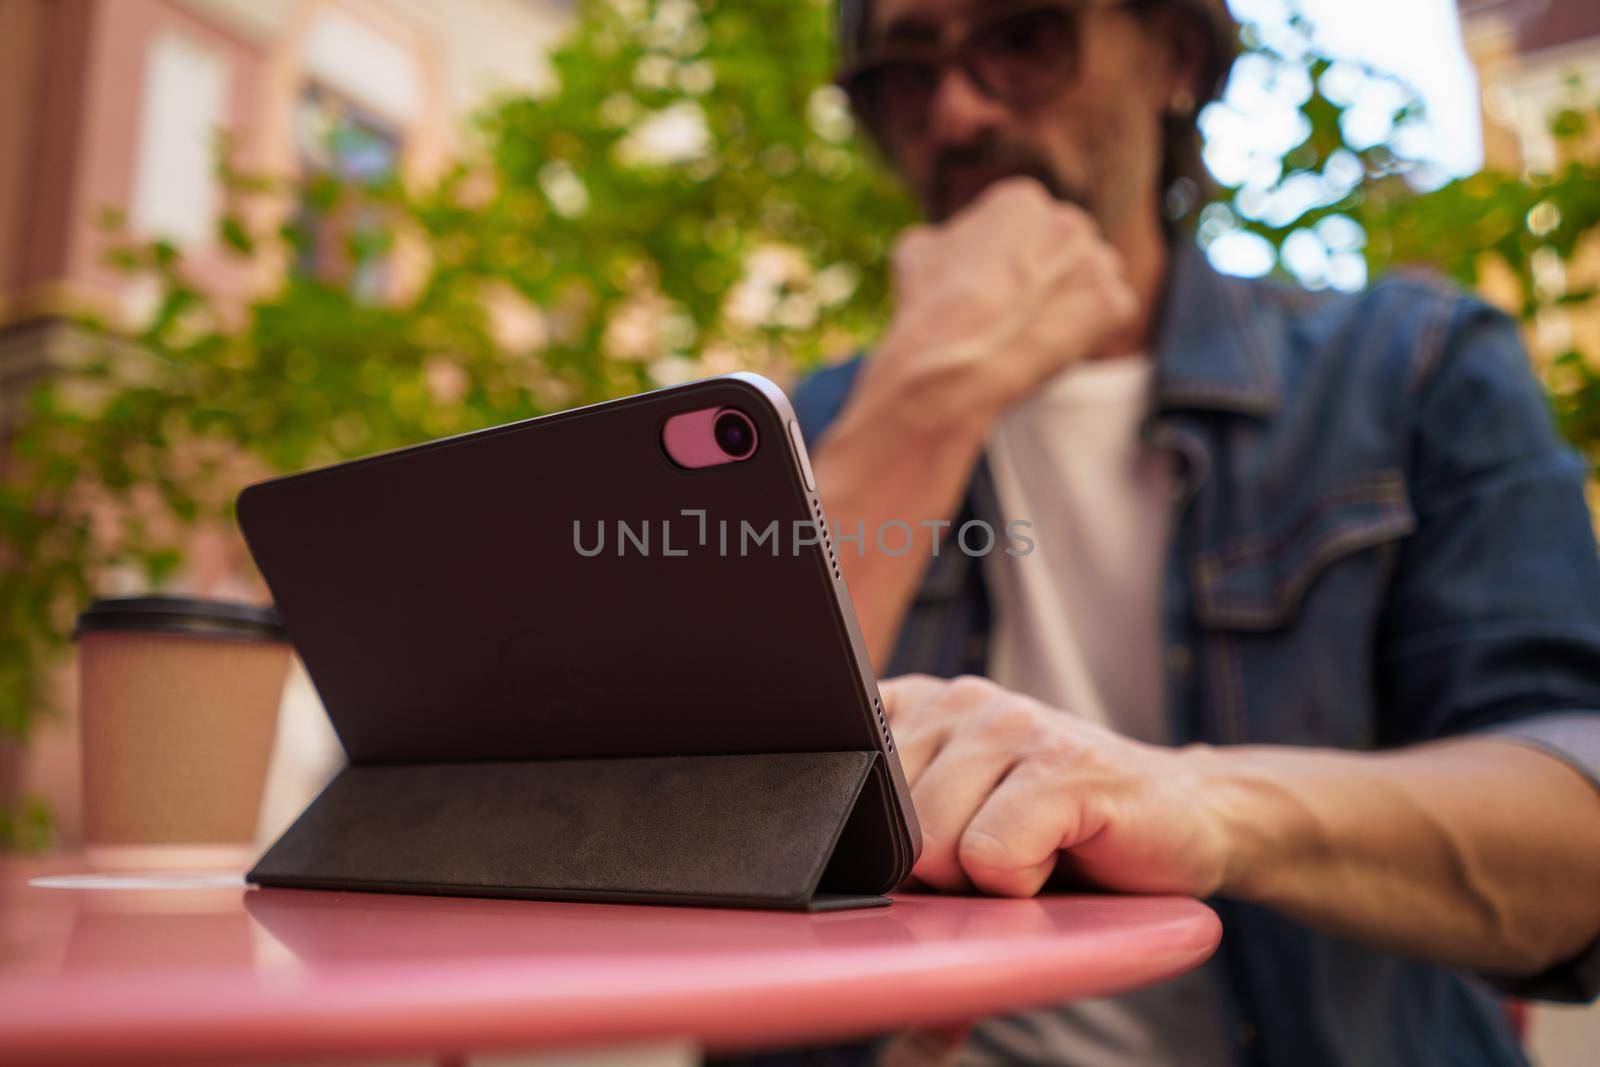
993, 303
1007, 789
1473, 852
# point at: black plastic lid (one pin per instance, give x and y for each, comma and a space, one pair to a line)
188, 616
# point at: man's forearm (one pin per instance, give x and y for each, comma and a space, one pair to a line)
1477, 852
879, 465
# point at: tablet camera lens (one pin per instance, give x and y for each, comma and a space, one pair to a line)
735, 433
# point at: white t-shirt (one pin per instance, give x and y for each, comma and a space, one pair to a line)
1078, 622
1078, 626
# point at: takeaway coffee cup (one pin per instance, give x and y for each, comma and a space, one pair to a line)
178, 709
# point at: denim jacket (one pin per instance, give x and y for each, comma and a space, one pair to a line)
1378, 539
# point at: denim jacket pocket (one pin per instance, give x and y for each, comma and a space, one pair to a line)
1288, 614
1258, 581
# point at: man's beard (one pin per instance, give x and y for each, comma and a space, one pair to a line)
961, 173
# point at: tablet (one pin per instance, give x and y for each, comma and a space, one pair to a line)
647, 577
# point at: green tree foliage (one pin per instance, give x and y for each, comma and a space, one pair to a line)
1536, 235
691, 199
1539, 234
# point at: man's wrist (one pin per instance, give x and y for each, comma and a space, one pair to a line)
1254, 815
887, 424
928, 391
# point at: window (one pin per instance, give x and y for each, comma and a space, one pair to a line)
339, 144
184, 104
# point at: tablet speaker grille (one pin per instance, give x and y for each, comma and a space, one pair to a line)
827, 537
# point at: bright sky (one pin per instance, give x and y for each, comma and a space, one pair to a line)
1418, 41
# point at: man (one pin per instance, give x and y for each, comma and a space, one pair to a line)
1311, 626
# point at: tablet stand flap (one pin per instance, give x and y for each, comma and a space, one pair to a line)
738, 830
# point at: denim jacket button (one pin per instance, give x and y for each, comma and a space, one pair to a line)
1179, 659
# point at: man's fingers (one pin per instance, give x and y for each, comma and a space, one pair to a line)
917, 748
947, 795
1061, 227
1007, 215
1089, 301
1011, 844
909, 702
1018, 195
1005, 881
919, 733
909, 691
913, 250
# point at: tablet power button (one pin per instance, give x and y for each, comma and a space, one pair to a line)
800, 453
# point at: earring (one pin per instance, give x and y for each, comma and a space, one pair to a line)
1182, 103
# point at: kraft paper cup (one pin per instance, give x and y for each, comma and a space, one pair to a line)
178, 709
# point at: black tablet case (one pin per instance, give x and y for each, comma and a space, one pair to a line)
524, 722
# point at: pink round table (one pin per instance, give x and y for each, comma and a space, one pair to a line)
202, 969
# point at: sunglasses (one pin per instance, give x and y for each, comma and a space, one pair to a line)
1020, 55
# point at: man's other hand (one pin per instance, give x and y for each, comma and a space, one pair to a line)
1009, 790
994, 302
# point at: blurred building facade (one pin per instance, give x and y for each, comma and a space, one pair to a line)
1526, 53
1532, 57
115, 106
